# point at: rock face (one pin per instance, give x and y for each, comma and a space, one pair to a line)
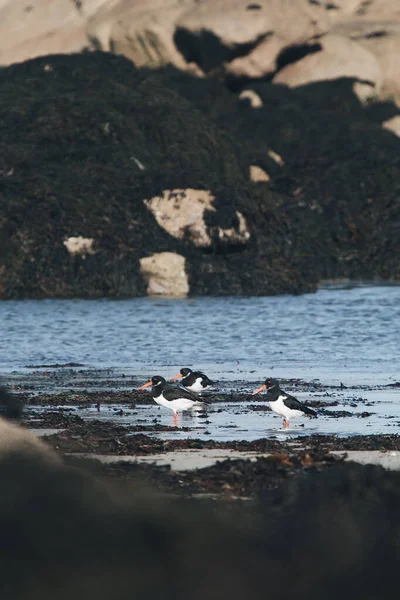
238, 39
80, 169
79, 245
39, 27
335, 57
214, 32
96, 186
165, 274
141, 30
182, 214
382, 39
14, 438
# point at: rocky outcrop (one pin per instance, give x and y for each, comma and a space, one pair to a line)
73, 221
335, 57
39, 27
165, 274
292, 41
14, 438
96, 186
79, 245
143, 31
182, 213
212, 33
382, 39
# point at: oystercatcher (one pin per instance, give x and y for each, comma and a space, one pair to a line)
176, 398
284, 404
195, 381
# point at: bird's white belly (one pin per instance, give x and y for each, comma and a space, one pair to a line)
281, 409
176, 405
196, 386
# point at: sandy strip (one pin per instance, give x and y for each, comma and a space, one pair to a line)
185, 460
388, 460
179, 460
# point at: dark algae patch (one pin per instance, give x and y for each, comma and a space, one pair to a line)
228, 479
86, 138
83, 533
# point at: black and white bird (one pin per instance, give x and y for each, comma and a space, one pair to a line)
176, 398
284, 404
195, 381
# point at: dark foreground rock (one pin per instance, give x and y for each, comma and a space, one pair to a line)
71, 534
86, 139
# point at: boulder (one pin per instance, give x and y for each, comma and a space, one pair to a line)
39, 27
79, 245
258, 174
218, 31
252, 98
393, 125
165, 274
14, 438
337, 57
182, 214
142, 31
76, 171
259, 62
382, 39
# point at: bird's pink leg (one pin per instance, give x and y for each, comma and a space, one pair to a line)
285, 423
176, 419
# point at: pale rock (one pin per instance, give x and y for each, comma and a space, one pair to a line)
339, 9
14, 438
234, 23
181, 213
393, 125
39, 27
79, 245
259, 62
276, 157
258, 174
262, 29
165, 274
252, 97
143, 31
238, 235
382, 39
338, 57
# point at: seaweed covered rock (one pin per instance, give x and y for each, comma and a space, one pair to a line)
86, 142
331, 161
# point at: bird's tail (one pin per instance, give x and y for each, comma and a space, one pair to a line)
205, 401
309, 411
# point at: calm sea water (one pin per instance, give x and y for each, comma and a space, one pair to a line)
349, 335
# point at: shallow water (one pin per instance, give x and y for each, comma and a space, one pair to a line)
335, 335
248, 420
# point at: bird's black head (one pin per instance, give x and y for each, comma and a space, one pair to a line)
157, 380
185, 371
271, 383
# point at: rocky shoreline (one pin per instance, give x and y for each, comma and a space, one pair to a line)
153, 184
236, 468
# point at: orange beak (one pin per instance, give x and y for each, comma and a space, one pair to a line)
145, 385
263, 387
176, 377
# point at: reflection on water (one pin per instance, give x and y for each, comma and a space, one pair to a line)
334, 335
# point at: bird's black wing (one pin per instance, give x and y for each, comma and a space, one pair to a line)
294, 404
206, 380
174, 392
